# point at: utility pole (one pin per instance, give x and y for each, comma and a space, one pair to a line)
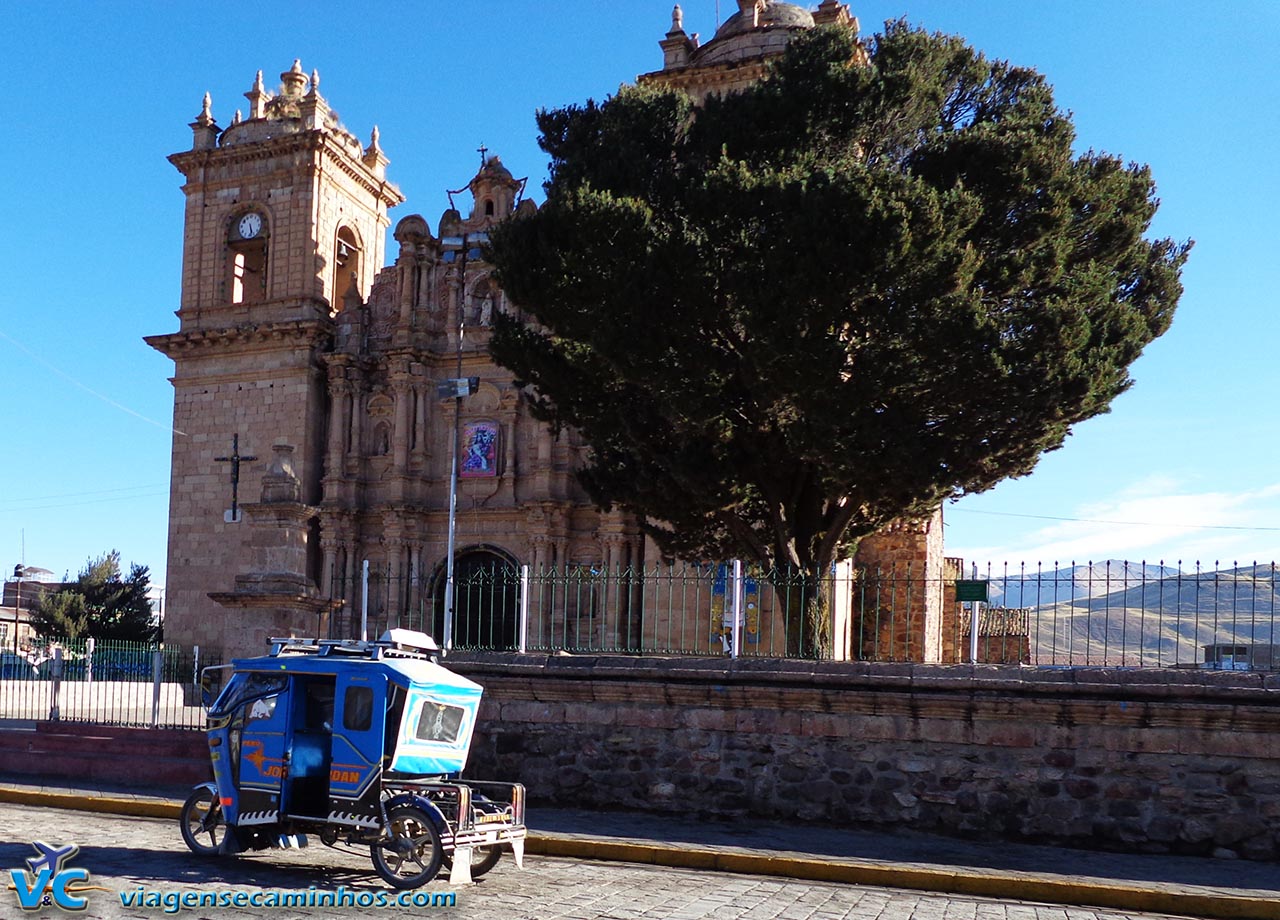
457, 251
18, 571
458, 387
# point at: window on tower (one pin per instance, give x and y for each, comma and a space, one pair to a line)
346, 262
247, 257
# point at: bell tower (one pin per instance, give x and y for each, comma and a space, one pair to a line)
286, 211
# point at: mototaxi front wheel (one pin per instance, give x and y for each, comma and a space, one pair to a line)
202, 823
413, 854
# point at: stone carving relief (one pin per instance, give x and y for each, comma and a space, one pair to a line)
486, 399
380, 406
444, 291
382, 311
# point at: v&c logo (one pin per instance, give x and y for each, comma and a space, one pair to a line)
48, 883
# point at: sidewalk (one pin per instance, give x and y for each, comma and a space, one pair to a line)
1189, 886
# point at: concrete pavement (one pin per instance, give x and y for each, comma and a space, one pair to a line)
1188, 886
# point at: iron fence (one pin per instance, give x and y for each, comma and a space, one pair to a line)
1138, 614
1109, 614
103, 681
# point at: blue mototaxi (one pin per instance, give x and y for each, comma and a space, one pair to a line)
360, 744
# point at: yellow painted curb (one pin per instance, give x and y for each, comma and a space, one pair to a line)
139, 808
971, 882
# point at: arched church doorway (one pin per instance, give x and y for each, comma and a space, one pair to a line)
486, 584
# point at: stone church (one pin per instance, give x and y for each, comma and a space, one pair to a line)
312, 430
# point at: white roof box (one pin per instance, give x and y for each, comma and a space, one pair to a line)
410, 640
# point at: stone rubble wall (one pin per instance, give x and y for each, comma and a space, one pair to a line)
903, 615
1153, 760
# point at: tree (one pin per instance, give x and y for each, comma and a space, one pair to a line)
800, 312
100, 605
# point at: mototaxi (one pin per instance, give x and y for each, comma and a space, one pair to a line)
359, 743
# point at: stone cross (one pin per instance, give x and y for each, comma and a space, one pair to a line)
235, 460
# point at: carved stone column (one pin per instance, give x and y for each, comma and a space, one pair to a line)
406, 274
396, 594
538, 546
339, 426
402, 386
355, 446
542, 618
614, 631
422, 392
351, 577
329, 567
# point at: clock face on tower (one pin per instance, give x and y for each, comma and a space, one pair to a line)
250, 225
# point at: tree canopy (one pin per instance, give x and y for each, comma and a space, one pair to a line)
101, 604
797, 313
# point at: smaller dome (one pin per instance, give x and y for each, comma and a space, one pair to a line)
493, 167
492, 175
411, 227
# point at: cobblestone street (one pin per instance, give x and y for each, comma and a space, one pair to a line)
142, 856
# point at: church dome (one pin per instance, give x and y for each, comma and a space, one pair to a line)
760, 29
773, 13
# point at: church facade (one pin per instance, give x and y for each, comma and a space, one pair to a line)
321, 385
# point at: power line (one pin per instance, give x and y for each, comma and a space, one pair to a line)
74, 382
1049, 517
41, 498
100, 501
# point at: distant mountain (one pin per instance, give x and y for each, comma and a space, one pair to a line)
1118, 613
1023, 588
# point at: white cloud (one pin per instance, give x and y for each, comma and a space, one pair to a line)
1152, 519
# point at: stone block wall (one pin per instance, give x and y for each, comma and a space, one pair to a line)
144, 757
1148, 761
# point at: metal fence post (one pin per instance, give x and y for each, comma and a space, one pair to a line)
524, 609
364, 601
157, 667
735, 635
56, 671
975, 616
974, 620
88, 661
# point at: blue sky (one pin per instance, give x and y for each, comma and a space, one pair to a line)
93, 97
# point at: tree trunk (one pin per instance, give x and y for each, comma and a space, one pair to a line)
806, 594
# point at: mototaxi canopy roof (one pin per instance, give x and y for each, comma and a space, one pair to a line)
439, 712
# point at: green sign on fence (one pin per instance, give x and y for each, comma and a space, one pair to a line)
972, 591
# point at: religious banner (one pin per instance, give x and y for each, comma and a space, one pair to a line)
479, 450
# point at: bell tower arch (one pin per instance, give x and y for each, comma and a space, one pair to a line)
282, 207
